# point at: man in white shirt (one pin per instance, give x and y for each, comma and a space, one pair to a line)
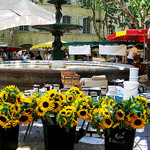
47, 55
132, 54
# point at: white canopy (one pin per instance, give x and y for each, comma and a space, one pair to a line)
80, 50
112, 50
15, 13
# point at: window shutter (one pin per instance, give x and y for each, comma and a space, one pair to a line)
93, 31
74, 2
81, 23
73, 22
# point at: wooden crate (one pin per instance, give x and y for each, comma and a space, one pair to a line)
70, 78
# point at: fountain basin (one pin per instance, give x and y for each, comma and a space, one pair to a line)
25, 74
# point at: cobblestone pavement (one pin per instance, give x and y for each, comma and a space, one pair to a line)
36, 139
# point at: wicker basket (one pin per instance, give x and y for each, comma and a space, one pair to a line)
70, 78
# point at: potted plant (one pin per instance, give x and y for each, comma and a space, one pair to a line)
119, 120
15, 109
60, 115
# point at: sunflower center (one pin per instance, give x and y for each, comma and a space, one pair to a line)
77, 92
16, 107
70, 98
56, 105
3, 119
108, 121
83, 113
120, 114
131, 115
138, 122
40, 111
63, 112
23, 118
45, 104
4, 97
84, 107
52, 94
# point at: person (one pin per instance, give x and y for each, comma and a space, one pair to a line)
47, 55
3, 55
132, 54
111, 58
102, 58
66, 57
24, 56
38, 56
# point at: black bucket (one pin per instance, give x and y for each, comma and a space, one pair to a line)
57, 138
119, 139
9, 138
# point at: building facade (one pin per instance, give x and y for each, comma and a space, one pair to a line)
26, 36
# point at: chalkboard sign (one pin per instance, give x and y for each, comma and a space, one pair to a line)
119, 139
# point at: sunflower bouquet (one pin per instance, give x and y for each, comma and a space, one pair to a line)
128, 114
15, 109
78, 110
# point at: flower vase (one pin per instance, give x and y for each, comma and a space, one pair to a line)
9, 138
119, 139
57, 138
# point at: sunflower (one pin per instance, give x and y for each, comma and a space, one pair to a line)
3, 95
19, 97
11, 99
39, 111
52, 93
14, 122
138, 123
106, 113
3, 120
25, 118
57, 107
63, 112
15, 108
46, 105
144, 99
89, 117
29, 110
127, 122
81, 94
64, 121
100, 126
62, 96
130, 116
84, 106
69, 112
1, 105
26, 100
116, 125
107, 122
69, 98
57, 99
120, 115
83, 114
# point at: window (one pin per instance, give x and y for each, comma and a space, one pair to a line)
86, 26
24, 28
66, 19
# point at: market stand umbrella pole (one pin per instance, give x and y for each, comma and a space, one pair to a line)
15, 13
138, 35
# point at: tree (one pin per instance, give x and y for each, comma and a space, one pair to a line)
124, 13
91, 4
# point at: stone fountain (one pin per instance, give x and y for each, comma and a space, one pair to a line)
57, 30
25, 74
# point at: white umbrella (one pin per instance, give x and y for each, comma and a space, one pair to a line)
15, 13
